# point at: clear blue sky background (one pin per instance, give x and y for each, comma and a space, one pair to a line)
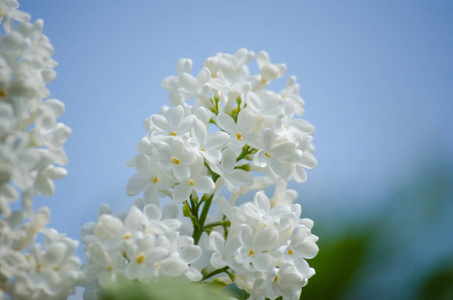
377, 78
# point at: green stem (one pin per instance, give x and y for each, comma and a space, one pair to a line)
198, 230
246, 150
215, 272
220, 223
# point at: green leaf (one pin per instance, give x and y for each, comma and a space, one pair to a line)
165, 290
336, 264
439, 285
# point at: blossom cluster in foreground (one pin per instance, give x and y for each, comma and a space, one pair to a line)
225, 135
31, 148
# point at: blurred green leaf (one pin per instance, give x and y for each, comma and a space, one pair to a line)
335, 265
438, 286
165, 290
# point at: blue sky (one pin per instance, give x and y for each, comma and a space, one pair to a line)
376, 77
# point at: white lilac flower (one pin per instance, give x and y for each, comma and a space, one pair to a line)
158, 222
149, 177
174, 125
208, 145
236, 126
239, 60
302, 244
238, 131
272, 153
178, 158
116, 231
265, 105
142, 245
294, 102
233, 178
106, 266
171, 83
287, 282
255, 247
271, 245
213, 64
223, 252
31, 137
196, 182
283, 195
192, 87
269, 71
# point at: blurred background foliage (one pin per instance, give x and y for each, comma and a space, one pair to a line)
402, 251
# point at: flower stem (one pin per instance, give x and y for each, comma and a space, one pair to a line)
215, 272
198, 230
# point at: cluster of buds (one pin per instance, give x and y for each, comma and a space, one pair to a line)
222, 127
31, 147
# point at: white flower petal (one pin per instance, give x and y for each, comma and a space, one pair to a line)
276, 167
193, 274
175, 117
160, 123
186, 124
262, 59
228, 160
181, 172
181, 193
308, 161
263, 262
245, 121
302, 126
203, 76
226, 123
184, 65
299, 173
187, 81
136, 184
266, 239
200, 132
190, 254
152, 212
217, 140
229, 73
283, 150
260, 159
246, 235
240, 177
225, 208
173, 267
204, 184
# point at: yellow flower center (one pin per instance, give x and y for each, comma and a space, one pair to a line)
191, 182
276, 278
172, 133
290, 252
127, 236
175, 161
155, 180
251, 253
239, 136
140, 258
267, 155
110, 268
202, 149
